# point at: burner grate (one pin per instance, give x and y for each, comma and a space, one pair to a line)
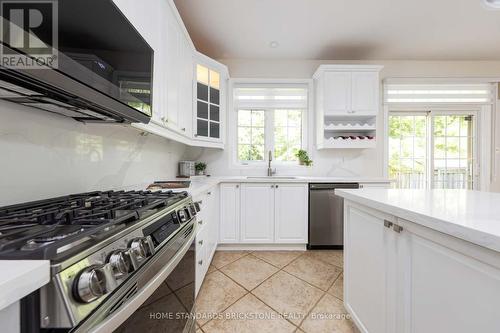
64, 219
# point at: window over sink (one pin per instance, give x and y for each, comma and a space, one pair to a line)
269, 117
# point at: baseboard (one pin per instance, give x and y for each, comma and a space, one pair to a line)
261, 247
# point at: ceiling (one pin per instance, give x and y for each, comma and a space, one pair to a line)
343, 29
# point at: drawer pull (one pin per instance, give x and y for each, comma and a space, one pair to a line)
200, 222
209, 193
388, 224
200, 262
397, 228
200, 242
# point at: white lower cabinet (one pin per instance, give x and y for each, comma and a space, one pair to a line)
229, 231
366, 265
263, 213
405, 278
257, 213
290, 213
207, 234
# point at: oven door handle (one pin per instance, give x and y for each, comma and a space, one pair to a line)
114, 320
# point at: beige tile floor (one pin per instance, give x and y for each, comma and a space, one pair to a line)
273, 291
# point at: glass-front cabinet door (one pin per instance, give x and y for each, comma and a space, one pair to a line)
208, 103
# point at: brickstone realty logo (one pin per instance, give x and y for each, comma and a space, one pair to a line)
29, 34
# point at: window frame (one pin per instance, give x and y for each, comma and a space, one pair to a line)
269, 139
482, 128
307, 118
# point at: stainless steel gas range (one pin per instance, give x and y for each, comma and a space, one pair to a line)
120, 261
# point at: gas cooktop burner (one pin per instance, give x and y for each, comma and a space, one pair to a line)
57, 234
45, 226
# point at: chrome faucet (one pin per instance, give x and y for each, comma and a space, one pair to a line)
270, 170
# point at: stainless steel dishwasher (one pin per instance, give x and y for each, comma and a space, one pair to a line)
326, 216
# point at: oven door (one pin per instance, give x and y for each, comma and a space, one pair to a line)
161, 296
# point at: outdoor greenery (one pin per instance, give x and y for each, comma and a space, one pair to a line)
408, 145
286, 138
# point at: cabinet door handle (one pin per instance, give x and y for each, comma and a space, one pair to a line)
200, 262
397, 228
184, 129
276, 186
209, 193
272, 186
200, 222
237, 186
200, 242
388, 224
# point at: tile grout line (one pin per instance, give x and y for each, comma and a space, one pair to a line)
279, 269
250, 291
220, 271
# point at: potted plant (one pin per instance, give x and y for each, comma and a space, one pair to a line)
200, 168
303, 158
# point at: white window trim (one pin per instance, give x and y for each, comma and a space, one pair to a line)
232, 133
483, 132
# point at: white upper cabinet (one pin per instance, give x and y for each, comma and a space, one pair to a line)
347, 105
290, 213
209, 100
337, 93
364, 92
174, 77
257, 213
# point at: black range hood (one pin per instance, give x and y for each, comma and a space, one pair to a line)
103, 71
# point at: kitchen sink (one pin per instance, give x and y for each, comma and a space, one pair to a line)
271, 177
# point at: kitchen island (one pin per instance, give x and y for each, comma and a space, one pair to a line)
422, 260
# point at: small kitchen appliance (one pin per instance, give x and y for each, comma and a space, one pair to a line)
186, 168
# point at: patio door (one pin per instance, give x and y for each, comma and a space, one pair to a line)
433, 149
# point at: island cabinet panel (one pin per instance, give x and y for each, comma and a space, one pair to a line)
368, 260
446, 286
402, 277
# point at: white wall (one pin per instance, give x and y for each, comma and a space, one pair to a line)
44, 155
335, 162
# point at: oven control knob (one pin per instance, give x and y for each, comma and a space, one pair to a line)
120, 263
182, 215
89, 285
139, 247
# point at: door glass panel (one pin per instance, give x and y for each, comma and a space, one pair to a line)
214, 112
214, 79
407, 150
214, 130
202, 127
453, 155
202, 110
214, 96
202, 74
202, 91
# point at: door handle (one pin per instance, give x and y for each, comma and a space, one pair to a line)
397, 228
388, 224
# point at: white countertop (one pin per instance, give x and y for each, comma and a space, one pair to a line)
201, 184
19, 278
473, 216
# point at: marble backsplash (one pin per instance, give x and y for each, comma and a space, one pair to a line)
44, 155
